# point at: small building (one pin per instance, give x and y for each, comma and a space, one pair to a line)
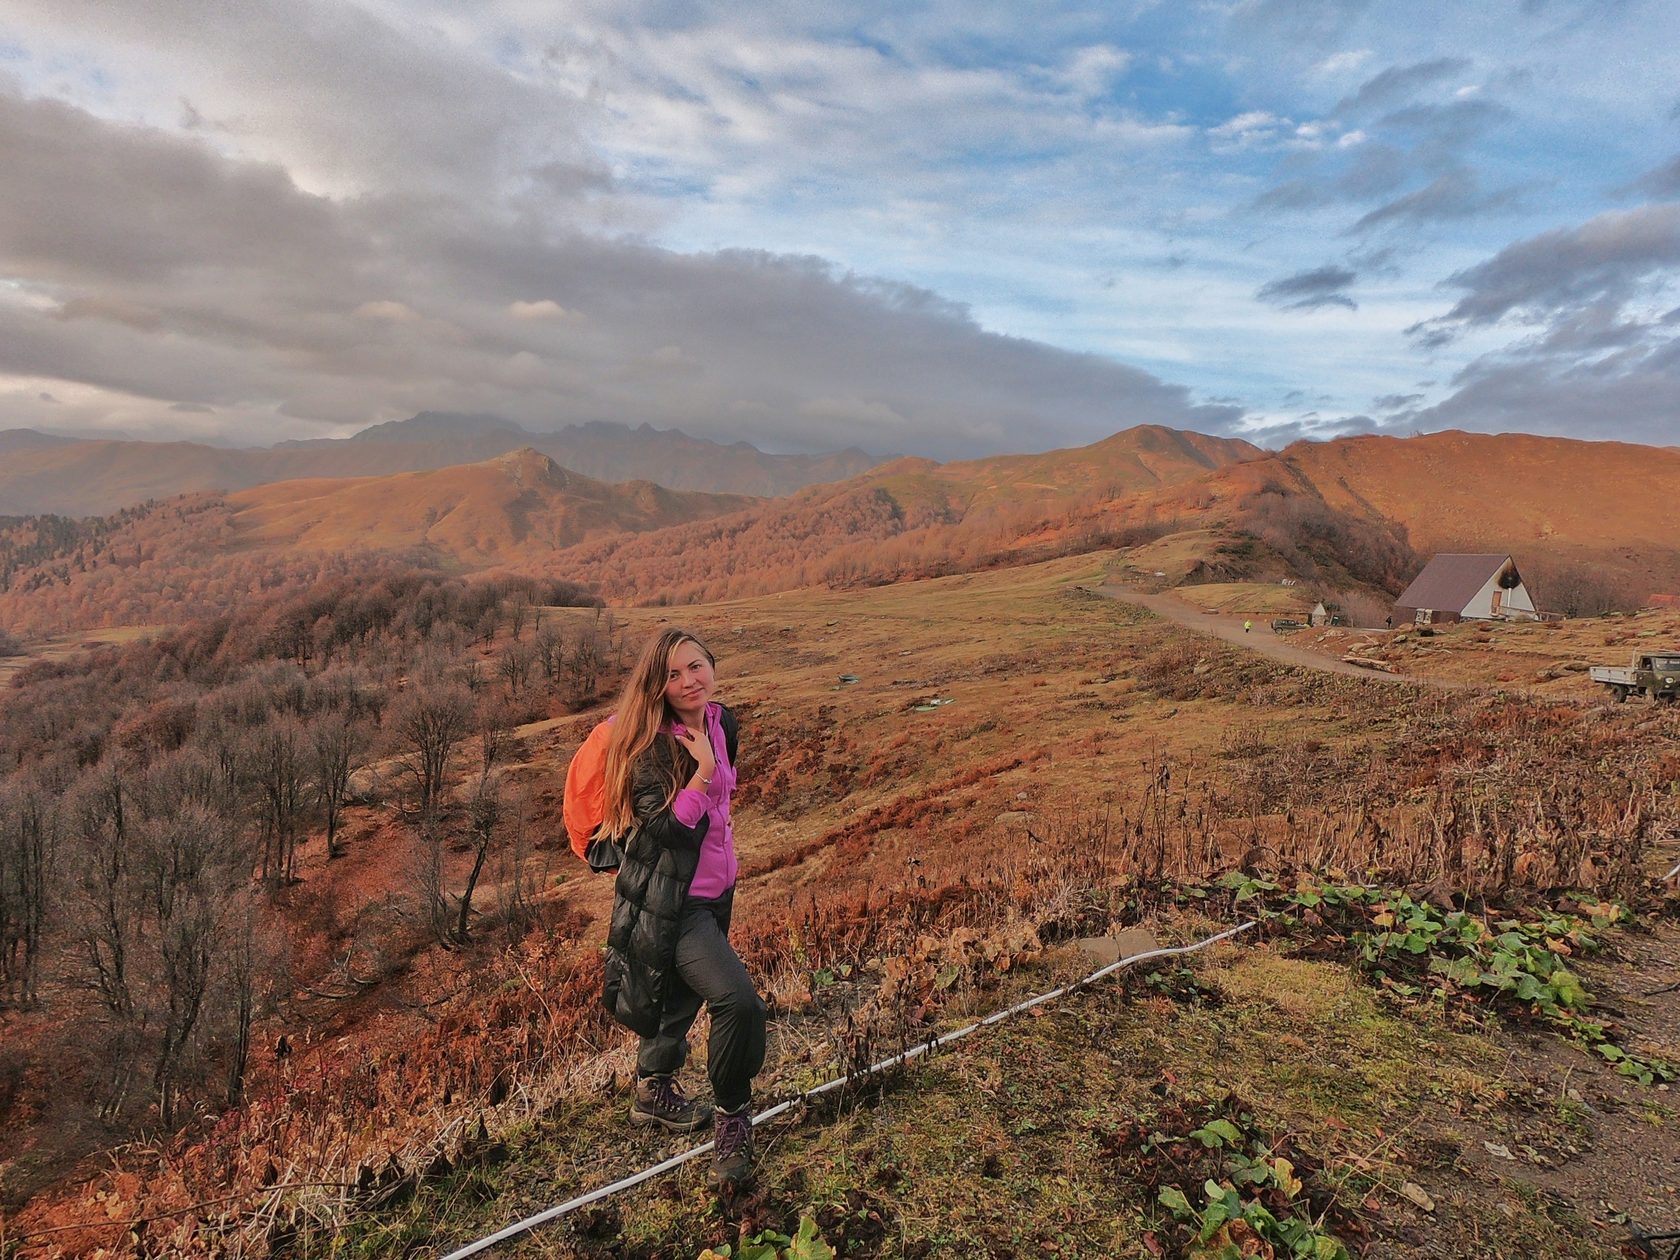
1466, 588
1319, 616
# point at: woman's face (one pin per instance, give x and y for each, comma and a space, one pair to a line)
689, 678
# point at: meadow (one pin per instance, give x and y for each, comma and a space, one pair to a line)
944, 785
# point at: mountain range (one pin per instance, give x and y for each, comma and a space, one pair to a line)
49, 473
1352, 513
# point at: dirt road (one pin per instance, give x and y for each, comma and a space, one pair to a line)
1259, 639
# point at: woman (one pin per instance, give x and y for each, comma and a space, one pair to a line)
670, 769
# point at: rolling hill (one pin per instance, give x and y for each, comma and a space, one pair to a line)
192, 555
1589, 523
475, 515
911, 518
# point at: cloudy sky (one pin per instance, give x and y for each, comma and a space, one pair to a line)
947, 229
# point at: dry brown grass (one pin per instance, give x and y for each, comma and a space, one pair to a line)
1085, 753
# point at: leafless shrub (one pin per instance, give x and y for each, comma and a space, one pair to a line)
29, 827
335, 752
1580, 589
427, 724
427, 878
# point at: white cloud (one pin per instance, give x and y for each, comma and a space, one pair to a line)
1343, 62
1092, 70
541, 309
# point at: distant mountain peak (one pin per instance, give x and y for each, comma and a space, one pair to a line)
529, 467
430, 426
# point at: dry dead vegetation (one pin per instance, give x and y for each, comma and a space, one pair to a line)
944, 784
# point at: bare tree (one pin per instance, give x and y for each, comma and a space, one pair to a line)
242, 977
335, 749
516, 883
588, 657
549, 646
100, 819
158, 863
513, 667
28, 839
185, 911
281, 770
495, 735
484, 816
427, 725
426, 870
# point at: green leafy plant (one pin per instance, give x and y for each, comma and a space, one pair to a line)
1512, 965
1258, 1199
806, 1243
1180, 984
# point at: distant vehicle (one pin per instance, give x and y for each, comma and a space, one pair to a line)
1657, 674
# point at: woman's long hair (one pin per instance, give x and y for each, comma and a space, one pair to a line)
640, 720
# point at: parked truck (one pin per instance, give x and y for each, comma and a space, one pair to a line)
1657, 674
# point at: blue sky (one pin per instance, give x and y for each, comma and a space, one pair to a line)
942, 229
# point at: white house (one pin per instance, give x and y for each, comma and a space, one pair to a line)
1467, 587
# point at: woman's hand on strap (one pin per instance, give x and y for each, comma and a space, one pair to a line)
699, 745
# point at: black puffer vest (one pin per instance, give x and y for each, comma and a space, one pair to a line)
660, 857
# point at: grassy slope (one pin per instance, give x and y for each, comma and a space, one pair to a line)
945, 1156
1014, 1144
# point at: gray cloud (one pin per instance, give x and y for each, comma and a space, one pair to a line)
1422, 140
1605, 259
84, 200
1448, 126
1457, 194
1662, 182
159, 268
327, 90
1399, 83
1635, 401
1596, 365
1311, 427
1309, 290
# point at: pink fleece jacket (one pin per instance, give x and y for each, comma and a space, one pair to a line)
716, 873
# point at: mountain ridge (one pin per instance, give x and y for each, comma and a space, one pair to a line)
97, 476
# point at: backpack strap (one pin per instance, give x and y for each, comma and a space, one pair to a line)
731, 730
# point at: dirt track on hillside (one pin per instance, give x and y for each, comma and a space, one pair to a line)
1261, 639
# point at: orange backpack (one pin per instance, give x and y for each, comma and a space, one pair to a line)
585, 802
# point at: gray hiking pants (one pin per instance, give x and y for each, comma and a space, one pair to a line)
709, 971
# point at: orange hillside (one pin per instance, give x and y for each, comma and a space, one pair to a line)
475, 514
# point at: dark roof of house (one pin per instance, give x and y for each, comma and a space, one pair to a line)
1449, 583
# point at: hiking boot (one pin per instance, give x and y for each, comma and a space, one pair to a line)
732, 1151
660, 1100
